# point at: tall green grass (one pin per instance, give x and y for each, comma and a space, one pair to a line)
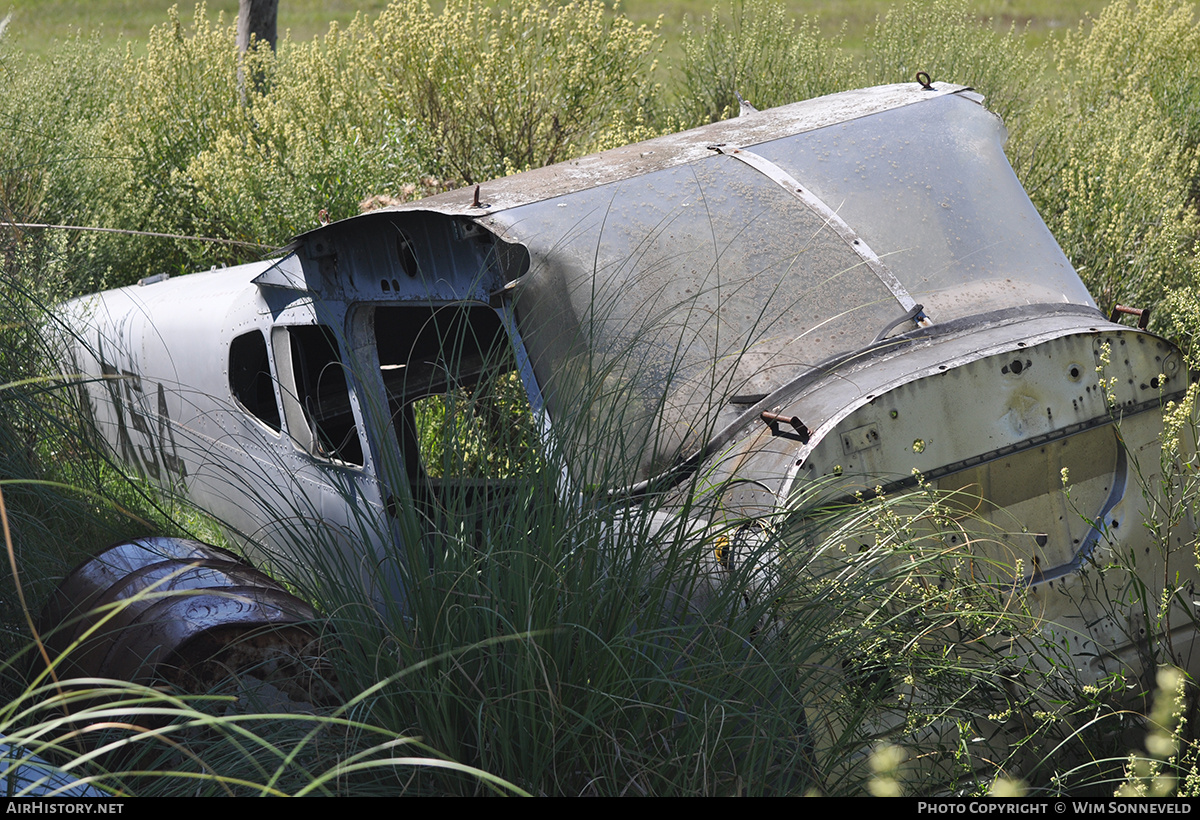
614, 648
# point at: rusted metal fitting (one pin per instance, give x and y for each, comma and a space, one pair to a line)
773, 420
1142, 314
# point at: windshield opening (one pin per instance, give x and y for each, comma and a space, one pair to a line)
458, 411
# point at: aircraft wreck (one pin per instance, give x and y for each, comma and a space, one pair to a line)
847, 289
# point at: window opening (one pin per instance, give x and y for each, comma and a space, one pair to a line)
250, 378
323, 393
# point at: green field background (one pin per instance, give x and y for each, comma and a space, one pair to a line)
36, 24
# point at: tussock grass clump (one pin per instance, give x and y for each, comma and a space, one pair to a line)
614, 656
